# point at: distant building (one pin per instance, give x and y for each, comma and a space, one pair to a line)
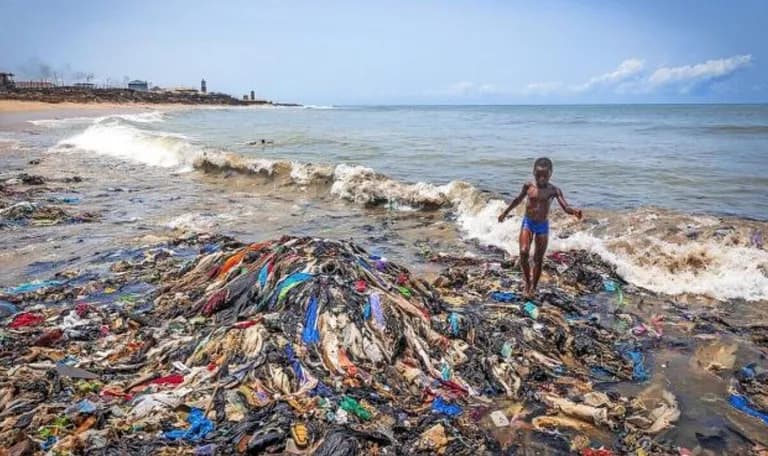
253, 95
137, 85
84, 85
245, 97
184, 90
6, 80
203, 87
34, 84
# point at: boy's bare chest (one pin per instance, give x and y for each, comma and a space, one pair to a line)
540, 196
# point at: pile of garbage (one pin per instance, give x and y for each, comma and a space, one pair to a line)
204, 345
26, 201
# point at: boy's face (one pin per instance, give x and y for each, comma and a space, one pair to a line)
542, 175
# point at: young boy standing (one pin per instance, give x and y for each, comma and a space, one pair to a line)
536, 223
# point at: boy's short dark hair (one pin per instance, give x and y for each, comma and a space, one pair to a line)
543, 162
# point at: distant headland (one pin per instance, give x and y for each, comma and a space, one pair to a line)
136, 91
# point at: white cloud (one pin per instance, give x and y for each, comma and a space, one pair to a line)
628, 69
466, 88
687, 76
630, 76
543, 88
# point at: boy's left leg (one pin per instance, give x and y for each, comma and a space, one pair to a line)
540, 249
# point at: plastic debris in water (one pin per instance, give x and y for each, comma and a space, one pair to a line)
531, 310
742, 404
609, 285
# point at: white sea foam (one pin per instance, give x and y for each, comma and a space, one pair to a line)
198, 222
711, 267
143, 117
642, 253
124, 141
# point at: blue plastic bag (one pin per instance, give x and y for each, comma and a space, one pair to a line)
199, 427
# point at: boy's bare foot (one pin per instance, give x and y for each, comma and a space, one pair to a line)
527, 293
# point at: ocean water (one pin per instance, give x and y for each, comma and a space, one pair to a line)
675, 196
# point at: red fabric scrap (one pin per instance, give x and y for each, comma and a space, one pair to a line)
596, 452
215, 302
174, 380
26, 319
361, 286
246, 324
82, 309
402, 279
49, 338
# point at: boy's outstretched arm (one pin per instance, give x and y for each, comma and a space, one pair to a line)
515, 202
564, 204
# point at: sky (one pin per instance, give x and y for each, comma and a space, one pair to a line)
403, 51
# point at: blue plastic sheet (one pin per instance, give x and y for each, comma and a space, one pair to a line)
199, 427
639, 372
503, 296
444, 408
453, 321
310, 334
742, 404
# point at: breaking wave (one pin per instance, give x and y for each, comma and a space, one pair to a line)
112, 137
141, 118
661, 251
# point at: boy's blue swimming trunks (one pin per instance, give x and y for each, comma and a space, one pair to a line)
536, 227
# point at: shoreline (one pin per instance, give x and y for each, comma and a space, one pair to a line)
23, 106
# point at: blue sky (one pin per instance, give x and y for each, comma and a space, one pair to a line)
404, 52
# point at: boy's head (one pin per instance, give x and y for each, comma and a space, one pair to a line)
542, 171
